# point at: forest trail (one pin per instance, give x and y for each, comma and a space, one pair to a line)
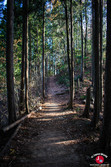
43, 140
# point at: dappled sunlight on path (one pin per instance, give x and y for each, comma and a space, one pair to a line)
43, 140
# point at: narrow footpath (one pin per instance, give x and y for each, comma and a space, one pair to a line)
44, 139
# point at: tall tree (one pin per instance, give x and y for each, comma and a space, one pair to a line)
30, 54
92, 52
82, 55
26, 3
68, 50
72, 59
9, 61
43, 48
86, 22
67, 33
22, 88
101, 53
24, 71
106, 132
95, 6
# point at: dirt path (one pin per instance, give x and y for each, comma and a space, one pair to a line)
43, 140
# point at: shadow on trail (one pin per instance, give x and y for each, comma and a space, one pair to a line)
50, 137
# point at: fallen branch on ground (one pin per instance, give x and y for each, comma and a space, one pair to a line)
5, 129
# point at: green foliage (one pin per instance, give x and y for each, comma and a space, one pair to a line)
63, 77
55, 37
83, 97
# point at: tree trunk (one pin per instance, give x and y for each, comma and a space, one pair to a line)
86, 20
46, 66
38, 62
106, 132
95, 6
30, 56
43, 56
92, 54
82, 57
67, 32
22, 87
101, 56
24, 72
9, 61
68, 58
72, 61
26, 58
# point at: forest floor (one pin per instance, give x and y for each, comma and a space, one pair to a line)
53, 136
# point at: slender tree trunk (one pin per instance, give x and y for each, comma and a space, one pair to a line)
82, 55
49, 58
9, 61
38, 61
72, 60
92, 54
86, 21
68, 58
43, 55
26, 59
30, 56
46, 64
24, 72
67, 32
22, 86
95, 5
52, 57
101, 50
106, 132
